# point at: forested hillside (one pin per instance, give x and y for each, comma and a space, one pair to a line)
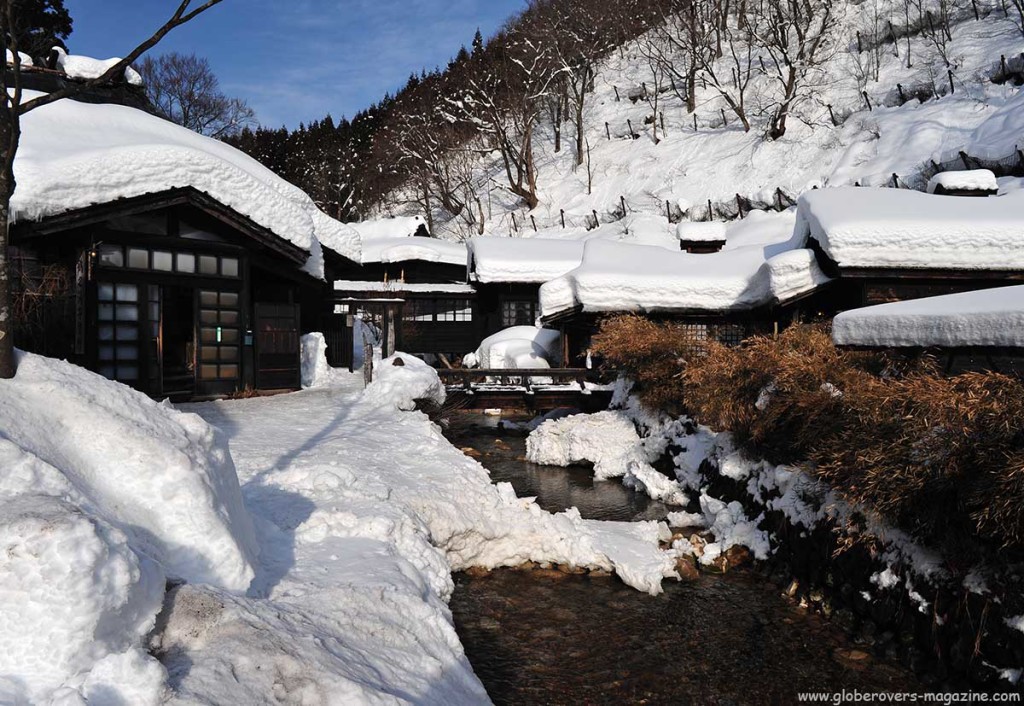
633, 115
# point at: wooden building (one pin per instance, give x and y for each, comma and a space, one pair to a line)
172, 293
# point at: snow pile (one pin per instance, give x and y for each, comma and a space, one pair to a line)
523, 347
164, 478
989, 317
413, 248
402, 380
863, 227
85, 67
969, 180
316, 372
526, 260
73, 591
701, 232
74, 155
608, 440
762, 266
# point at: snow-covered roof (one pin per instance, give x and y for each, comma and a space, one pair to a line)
347, 285
896, 228
86, 67
403, 249
74, 155
969, 180
400, 227
701, 232
524, 260
988, 317
763, 265
24, 59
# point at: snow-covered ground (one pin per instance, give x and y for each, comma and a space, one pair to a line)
319, 575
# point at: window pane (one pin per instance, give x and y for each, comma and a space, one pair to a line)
229, 336
106, 352
112, 255
127, 293
107, 371
127, 353
138, 258
208, 372
209, 354
106, 312
209, 335
186, 262
127, 312
229, 266
106, 333
106, 292
229, 318
229, 354
127, 333
229, 300
127, 372
208, 264
229, 371
208, 299
208, 316
163, 261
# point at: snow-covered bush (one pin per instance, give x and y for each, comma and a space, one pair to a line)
401, 381
163, 477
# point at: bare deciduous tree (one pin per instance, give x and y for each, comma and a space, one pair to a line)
186, 91
13, 107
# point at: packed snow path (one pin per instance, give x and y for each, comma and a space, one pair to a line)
362, 512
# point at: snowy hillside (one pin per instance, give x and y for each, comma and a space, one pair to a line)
897, 108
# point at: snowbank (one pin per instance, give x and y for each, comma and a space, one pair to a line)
518, 347
85, 67
621, 277
164, 478
527, 260
402, 380
74, 155
608, 440
989, 317
970, 180
864, 227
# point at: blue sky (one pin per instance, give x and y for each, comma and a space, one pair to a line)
297, 60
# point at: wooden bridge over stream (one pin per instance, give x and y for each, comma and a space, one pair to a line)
535, 390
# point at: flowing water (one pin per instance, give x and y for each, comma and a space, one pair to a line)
543, 637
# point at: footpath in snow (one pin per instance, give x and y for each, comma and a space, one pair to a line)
320, 575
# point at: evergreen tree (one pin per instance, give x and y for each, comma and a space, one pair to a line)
39, 25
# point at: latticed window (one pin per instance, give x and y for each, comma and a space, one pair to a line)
451, 310
418, 310
518, 312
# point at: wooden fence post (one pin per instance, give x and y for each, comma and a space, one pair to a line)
561, 212
534, 222
608, 131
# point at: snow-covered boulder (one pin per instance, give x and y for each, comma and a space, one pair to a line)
72, 593
609, 441
401, 380
522, 347
163, 477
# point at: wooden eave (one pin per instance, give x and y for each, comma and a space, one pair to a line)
146, 203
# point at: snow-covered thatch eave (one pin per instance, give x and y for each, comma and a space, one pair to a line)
97, 213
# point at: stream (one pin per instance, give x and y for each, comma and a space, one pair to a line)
544, 637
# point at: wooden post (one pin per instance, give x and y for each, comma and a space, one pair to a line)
711, 211
597, 221
561, 212
832, 116
952, 88
643, 85
739, 205
860, 49
778, 198
629, 123
866, 99
668, 210
515, 226
608, 130
367, 358
622, 202
695, 122
389, 332
616, 88
534, 222
724, 121
895, 181
899, 89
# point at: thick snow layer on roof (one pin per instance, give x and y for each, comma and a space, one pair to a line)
85, 67
347, 285
526, 260
162, 477
697, 231
764, 264
413, 248
74, 155
865, 227
967, 180
989, 317
400, 227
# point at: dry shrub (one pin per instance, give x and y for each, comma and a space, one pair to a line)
942, 457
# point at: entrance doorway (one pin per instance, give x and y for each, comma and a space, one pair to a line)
178, 342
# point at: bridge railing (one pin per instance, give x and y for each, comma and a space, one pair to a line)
470, 378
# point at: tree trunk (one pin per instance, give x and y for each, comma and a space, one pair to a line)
9, 137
